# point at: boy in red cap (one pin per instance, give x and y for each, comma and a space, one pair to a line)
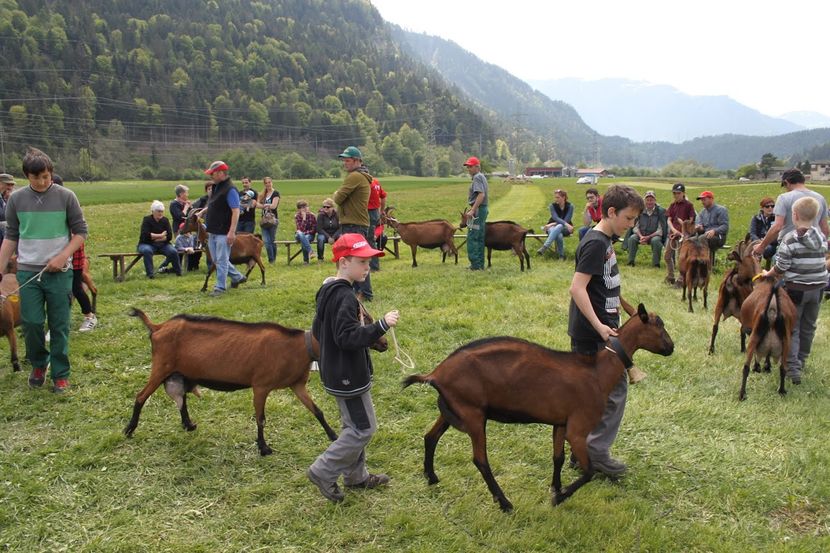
346, 369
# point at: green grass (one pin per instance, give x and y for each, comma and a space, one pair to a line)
707, 473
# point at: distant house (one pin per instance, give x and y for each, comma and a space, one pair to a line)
543, 171
775, 173
820, 170
592, 172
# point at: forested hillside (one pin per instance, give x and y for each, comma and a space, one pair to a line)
83, 77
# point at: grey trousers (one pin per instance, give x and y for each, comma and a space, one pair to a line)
804, 330
602, 437
346, 455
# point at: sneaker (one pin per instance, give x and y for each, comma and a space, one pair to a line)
151, 276
669, 280
372, 482
609, 467
541, 251
37, 378
162, 270
61, 385
330, 490
216, 293
88, 324
242, 280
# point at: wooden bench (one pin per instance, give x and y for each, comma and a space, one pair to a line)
119, 267
394, 240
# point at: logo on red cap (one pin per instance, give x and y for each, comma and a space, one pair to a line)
354, 245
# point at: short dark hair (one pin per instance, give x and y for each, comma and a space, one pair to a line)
593, 191
619, 197
792, 176
35, 162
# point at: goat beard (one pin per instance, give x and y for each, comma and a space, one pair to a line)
635, 375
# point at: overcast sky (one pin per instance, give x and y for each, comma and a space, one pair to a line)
770, 56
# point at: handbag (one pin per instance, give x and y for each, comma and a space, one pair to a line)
268, 220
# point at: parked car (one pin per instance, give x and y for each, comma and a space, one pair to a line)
744, 179
587, 180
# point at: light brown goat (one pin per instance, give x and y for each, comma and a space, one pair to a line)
694, 263
514, 381
436, 233
735, 287
10, 313
504, 235
190, 351
247, 248
767, 315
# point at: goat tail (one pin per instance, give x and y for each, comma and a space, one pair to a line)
772, 307
416, 379
443, 404
135, 312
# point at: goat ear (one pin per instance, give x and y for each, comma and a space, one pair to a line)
641, 311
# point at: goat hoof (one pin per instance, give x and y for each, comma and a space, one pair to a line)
190, 427
16, 368
265, 451
782, 392
505, 506
128, 431
432, 479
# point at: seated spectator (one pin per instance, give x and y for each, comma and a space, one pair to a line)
185, 244
559, 225
651, 229
760, 225
306, 225
155, 237
380, 238
328, 227
593, 211
712, 222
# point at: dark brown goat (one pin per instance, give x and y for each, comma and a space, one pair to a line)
735, 287
504, 235
10, 312
436, 233
767, 315
514, 381
694, 264
272, 357
247, 248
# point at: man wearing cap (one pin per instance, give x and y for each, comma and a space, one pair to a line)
222, 218
680, 209
793, 180
353, 199
476, 214
6, 181
650, 229
247, 207
713, 222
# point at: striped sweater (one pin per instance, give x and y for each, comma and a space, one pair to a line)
42, 223
800, 257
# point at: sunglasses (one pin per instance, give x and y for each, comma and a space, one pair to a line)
327, 206
769, 205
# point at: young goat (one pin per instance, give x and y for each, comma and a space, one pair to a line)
514, 381
247, 248
735, 287
10, 313
768, 314
272, 357
504, 235
436, 233
694, 264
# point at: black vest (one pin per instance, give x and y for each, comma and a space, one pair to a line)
219, 213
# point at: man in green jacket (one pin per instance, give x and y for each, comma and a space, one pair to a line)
353, 199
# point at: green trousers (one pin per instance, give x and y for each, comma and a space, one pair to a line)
475, 239
46, 298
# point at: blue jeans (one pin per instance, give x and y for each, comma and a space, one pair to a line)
170, 253
245, 226
220, 252
305, 242
556, 233
268, 237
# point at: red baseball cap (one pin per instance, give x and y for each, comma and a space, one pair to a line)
705, 194
472, 161
216, 166
353, 245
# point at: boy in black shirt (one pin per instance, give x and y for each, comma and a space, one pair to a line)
595, 310
346, 369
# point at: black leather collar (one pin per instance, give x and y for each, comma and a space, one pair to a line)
617, 348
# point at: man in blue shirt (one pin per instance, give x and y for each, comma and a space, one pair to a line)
222, 218
712, 222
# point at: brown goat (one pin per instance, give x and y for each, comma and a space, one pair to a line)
504, 235
247, 248
735, 287
694, 264
767, 315
436, 233
514, 381
10, 314
273, 357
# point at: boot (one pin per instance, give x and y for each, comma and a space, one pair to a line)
542, 250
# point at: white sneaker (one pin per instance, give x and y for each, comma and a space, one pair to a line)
89, 324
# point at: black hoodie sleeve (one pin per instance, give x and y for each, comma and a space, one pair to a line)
348, 332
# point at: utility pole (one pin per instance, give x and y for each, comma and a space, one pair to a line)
3, 144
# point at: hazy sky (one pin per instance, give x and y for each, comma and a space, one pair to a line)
770, 56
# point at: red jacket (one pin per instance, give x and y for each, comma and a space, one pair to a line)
376, 193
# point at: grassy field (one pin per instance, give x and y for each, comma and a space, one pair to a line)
707, 473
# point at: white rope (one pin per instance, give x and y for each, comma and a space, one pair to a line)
37, 276
408, 363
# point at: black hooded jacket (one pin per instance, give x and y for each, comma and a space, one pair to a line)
345, 365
